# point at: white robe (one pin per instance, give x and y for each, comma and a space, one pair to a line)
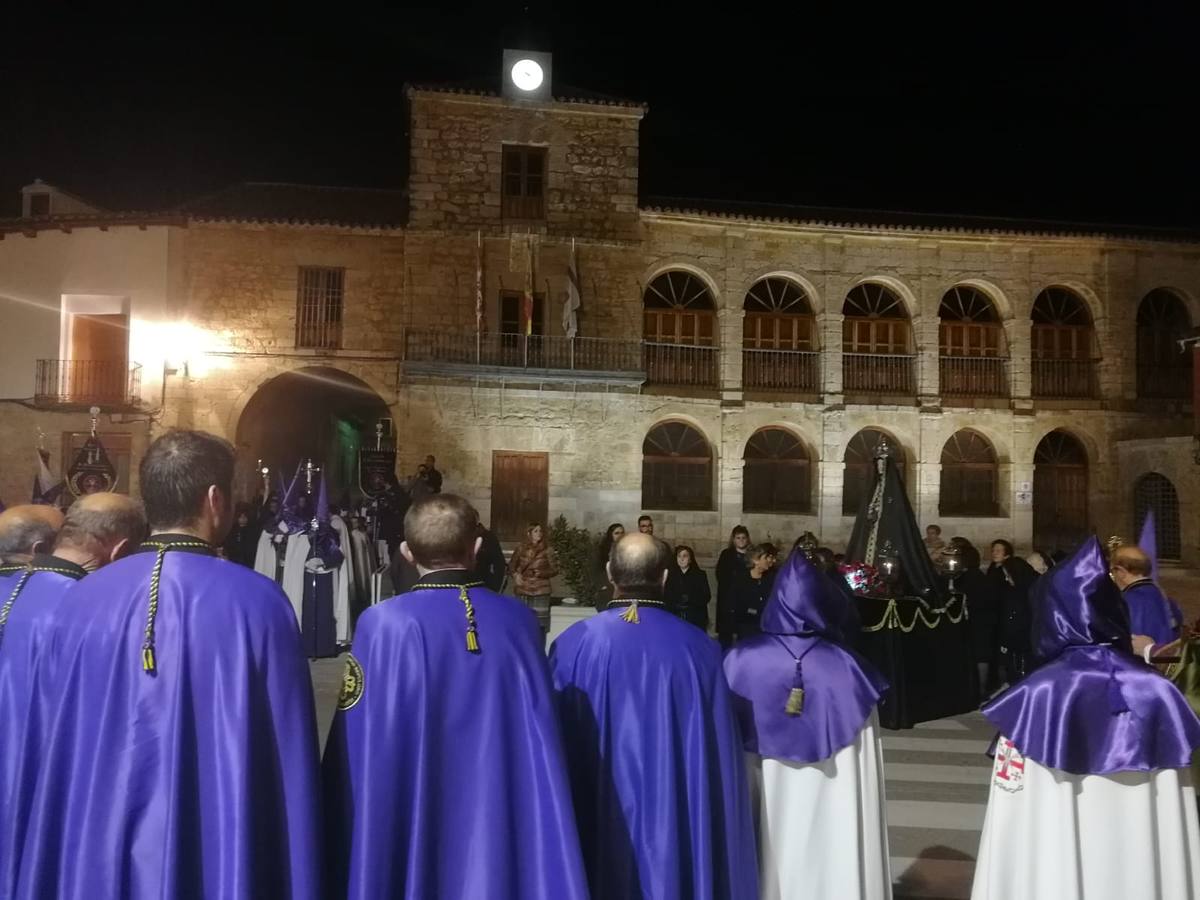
293, 573
1058, 836
822, 827
343, 580
264, 557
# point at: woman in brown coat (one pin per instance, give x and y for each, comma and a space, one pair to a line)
532, 566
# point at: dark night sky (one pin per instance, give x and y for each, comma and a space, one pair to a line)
983, 111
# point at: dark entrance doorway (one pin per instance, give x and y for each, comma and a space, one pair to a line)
1060, 493
520, 492
317, 412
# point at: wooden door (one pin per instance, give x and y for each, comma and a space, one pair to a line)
97, 371
1060, 493
520, 492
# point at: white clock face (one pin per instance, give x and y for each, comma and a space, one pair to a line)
527, 74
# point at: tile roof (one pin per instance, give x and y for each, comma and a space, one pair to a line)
301, 204
563, 93
832, 217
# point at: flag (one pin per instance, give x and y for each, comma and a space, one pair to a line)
1148, 542
478, 282
527, 299
570, 309
45, 488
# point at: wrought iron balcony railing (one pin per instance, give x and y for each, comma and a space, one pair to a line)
1064, 379
973, 376
794, 371
99, 382
878, 373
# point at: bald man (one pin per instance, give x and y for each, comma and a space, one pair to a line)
98, 529
26, 530
658, 772
1149, 610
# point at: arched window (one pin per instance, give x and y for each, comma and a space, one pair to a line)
777, 476
858, 474
1060, 492
779, 338
876, 342
679, 327
1163, 370
1063, 346
971, 345
1154, 492
969, 476
676, 468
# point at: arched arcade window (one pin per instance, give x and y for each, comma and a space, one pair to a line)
1155, 492
1163, 369
779, 338
777, 477
970, 475
876, 342
679, 327
1063, 346
1060, 493
677, 468
970, 345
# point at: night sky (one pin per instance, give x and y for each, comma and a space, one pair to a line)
985, 111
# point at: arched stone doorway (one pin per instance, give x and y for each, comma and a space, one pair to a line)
317, 412
1060, 492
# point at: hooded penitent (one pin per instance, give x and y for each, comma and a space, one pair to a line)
1092, 707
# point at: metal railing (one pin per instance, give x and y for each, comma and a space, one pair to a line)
1160, 382
681, 364
87, 381
878, 373
1064, 379
781, 370
518, 351
973, 376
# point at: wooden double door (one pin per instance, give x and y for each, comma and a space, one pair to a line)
520, 492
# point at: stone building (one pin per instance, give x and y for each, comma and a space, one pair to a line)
731, 364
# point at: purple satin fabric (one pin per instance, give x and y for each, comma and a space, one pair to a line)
25, 637
447, 778
1092, 708
1150, 612
197, 781
657, 768
802, 620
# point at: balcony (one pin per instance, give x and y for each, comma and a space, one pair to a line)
87, 382
787, 371
681, 365
1064, 379
1164, 382
973, 376
506, 356
878, 374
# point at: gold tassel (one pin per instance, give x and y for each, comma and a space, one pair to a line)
795, 702
148, 659
631, 613
472, 637
472, 642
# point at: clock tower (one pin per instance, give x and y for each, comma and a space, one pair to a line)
526, 75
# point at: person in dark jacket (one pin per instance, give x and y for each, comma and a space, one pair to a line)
823, 559
1011, 578
687, 592
242, 544
983, 615
490, 564
748, 596
730, 565
604, 587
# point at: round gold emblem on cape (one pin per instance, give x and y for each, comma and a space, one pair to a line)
352, 684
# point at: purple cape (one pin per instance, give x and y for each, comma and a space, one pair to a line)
1092, 708
196, 780
657, 767
444, 772
1150, 612
802, 621
25, 637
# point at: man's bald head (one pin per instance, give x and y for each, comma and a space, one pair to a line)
638, 565
1133, 560
101, 528
26, 530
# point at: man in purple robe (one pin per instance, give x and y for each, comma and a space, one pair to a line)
179, 748
99, 529
444, 771
1150, 612
657, 768
24, 531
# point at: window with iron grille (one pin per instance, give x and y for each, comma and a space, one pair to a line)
523, 182
1155, 493
858, 476
776, 478
969, 476
319, 298
676, 468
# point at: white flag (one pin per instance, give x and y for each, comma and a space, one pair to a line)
573, 302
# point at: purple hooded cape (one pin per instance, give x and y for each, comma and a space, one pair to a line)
22, 641
444, 772
801, 622
195, 779
1092, 708
657, 768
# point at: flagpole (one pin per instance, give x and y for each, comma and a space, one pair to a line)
478, 296
573, 267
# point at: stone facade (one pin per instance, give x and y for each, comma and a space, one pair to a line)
414, 287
